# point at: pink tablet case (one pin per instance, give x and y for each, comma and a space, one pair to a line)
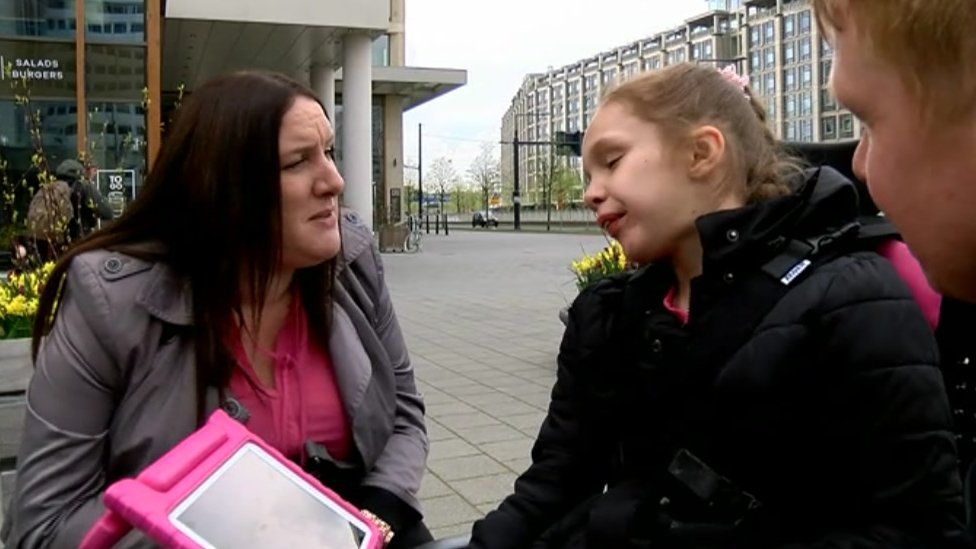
146, 502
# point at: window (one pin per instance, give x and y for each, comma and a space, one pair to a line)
771, 108
828, 127
789, 53
825, 66
115, 134
806, 76
754, 65
789, 130
806, 130
770, 55
754, 37
789, 106
827, 102
825, 49
121, 21
37, 18
806, 104
789, 26
381, 51
591, 82
768, 33
789, 79
770, 87
708, 50
804, 21
805, 49
846, 126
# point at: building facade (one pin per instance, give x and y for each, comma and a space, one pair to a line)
103, 76
775, 42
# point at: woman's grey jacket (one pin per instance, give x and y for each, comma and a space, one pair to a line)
114, 388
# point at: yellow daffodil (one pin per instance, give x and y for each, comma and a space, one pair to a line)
19, 296
591, 268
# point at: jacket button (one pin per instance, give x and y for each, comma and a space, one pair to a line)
657, 346
958, 412
665, 501
113, 265
729, 278
964, 361
732, 235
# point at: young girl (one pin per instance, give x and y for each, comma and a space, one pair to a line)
760, 381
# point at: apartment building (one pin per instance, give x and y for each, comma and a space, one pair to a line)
775, 42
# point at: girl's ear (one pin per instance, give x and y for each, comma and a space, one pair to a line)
708, 150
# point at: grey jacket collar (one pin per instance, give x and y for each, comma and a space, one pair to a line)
169, 297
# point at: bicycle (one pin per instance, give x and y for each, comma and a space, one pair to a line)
412, 242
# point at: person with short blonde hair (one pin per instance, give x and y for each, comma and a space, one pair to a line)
907, 69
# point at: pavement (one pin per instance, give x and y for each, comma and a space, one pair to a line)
479, 311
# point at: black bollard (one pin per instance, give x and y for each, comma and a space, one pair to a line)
427, 219
437, 224
445, 224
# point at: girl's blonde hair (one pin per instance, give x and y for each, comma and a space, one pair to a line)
679, 98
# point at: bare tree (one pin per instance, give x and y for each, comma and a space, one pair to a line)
485, 173
442, 177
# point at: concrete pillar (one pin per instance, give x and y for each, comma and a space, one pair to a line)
397, 34
323, 84
357, 125
393, 156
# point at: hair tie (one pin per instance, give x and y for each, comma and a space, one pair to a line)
732, 76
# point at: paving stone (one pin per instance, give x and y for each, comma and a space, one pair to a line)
491, 433
451, 531
509, 449
452, 447
486, 490
467, 421
531, 421
431, 487
460, 468
478, 312
449, 511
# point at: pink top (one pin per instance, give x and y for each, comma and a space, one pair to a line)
305, 403
911, 272
681, 314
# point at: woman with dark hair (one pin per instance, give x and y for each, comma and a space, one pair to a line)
226, 283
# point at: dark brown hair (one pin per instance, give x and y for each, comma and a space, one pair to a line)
677, 98
212, 205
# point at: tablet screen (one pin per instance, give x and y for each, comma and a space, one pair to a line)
254, 501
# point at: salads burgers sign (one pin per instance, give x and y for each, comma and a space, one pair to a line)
31, 68
48, 69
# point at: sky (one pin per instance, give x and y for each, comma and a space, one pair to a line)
500, 41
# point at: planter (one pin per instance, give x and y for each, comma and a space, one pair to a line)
392, 237
15, 365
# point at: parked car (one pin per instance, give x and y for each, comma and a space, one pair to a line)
484, 219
